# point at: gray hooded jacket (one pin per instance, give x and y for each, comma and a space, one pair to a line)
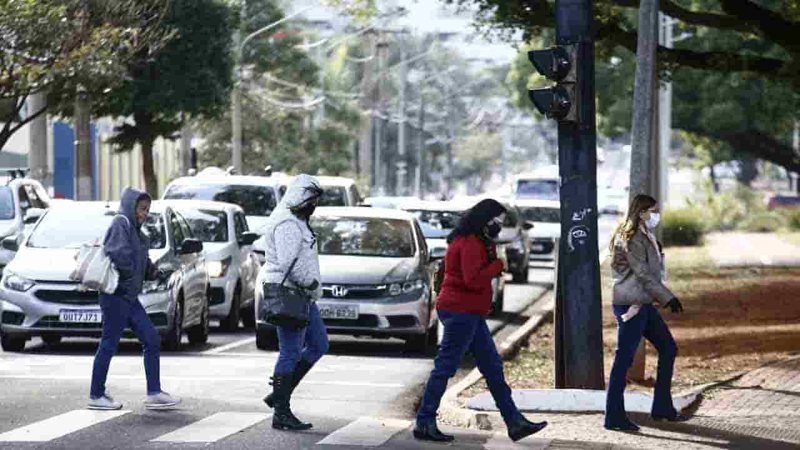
127, 247
638, 272
287, 237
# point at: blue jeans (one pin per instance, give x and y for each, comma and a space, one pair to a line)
117, 314
647, 323
308, 343
462, 332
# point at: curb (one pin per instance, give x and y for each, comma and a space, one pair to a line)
450, 411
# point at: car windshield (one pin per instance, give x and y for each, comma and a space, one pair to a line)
436, 224
541, 214
6, 203
538, 189
254, 200
207, 225
333, 196
364, 237
73, 226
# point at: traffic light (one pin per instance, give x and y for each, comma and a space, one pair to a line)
558, 64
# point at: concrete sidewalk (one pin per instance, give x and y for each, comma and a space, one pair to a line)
752, 250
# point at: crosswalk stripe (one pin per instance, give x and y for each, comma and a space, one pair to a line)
365, 432
61, 425
214, 427
502, 442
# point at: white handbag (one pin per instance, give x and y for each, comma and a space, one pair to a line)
94, 269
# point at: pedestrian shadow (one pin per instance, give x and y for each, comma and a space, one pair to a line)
727, 387
713, 437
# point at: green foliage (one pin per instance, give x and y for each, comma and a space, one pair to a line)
477, 155
683, 227
791, 218
741, 209
763, 222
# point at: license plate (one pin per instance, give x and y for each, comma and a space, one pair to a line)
338, 311
80, 315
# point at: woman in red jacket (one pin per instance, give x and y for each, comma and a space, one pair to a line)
464, 302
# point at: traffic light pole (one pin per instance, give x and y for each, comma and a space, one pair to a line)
579, 338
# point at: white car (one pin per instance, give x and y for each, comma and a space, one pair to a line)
257, 196
546, 218
39, 299
376, 277
227, 247
336, 191
22, 202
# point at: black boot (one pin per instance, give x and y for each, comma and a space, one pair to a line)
522, 428
283, 419
430, 432
300, 370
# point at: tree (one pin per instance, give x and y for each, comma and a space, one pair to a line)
476, 157
56, 45
189, 77
283, 89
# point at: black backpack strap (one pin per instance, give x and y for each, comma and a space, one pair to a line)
289, 271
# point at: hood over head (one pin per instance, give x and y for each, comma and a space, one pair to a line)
127, 204
302, 189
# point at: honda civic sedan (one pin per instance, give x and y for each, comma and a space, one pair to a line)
376, 277
38, 297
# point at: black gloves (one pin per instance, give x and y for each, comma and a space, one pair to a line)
674, 305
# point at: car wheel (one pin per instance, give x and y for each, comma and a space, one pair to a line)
12, 344
51, 339
198, 334
172, 340
231, 321
424, 344
266, 339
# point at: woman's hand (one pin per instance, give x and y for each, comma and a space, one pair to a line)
674, 305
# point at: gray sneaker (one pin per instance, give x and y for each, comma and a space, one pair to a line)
104, 403
162, 400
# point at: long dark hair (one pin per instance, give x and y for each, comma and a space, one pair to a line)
474, 221
625, 230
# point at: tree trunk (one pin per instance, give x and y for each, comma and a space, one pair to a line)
712, 174
748, 171
150, 180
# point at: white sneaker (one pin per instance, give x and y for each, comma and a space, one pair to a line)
162, 400
104, 403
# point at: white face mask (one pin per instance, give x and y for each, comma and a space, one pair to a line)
653, 221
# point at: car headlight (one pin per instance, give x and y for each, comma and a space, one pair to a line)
148, 287
217, 269
17, 283
406, 287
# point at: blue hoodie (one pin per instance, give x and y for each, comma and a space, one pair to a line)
127, 247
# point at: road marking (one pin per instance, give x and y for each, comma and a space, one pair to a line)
201, 379
366, 432
61, 425
214, 427
501, 442
227, 347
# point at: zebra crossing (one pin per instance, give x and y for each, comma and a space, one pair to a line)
219, 427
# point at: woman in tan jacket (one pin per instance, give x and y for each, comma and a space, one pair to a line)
639, 287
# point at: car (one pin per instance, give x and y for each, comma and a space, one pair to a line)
514, 241
377, 277
546, 218
256, 195
232, 266
336, 191
437, 219
612, 201
541, 184
389, 201
39, 298
22, 202
783, 201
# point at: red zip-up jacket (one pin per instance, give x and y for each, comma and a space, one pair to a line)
467, 285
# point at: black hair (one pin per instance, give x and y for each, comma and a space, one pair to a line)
474, 220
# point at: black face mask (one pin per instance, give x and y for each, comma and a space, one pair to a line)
493, 229
306, 210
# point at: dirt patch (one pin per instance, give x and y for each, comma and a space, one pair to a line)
734, 320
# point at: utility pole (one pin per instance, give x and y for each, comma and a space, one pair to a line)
379, 180
420, 147
83, 146
400, 189
794, 183
369, 103
579, 332
665, 115
186, 147
451, 137
37, 156
236, 95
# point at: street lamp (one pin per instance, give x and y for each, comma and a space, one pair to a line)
236, 95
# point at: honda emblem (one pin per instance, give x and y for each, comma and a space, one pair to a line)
339, 291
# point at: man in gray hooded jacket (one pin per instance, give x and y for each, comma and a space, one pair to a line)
291, 244
127, 247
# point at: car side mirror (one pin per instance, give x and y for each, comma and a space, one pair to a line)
10, 244
527, 226
32, 215
437, 254
189, 246
248, 239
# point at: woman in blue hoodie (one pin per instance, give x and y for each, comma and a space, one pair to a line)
127, 247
